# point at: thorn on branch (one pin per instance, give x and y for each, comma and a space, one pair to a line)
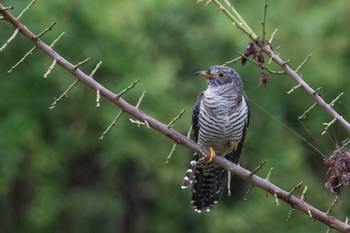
220, 9
229, 176
295, 188
140, 100
327, 126
111, 125
48, 72
30, 52
139, 123
290, 214
317, 91
303, 116
285, 63
232, 61
293, 89
336, 99
57, 39
45, 30
96, 68
207, 3
64, 94
303, 63
26, 9
172, 122
250, 175
273, 37
303, 194
98, 97
128, 88
257, 168
248, 191
174, 147
171, 153
336, 200
269, 174
82, 63
276, 200
310, 214
268, 178
9, 40
8, 8
264, 22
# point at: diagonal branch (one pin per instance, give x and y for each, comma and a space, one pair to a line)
295, 202
266, 48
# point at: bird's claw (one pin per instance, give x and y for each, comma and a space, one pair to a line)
212, 154
233, 144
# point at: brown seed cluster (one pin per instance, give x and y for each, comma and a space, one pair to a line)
339, 170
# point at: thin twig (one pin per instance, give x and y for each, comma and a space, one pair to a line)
303, 63
175, 145
276, 200
49, 28
303, 116
295, 188
232, 61
290, 214
336, 99
273, 37
64, 94
82, 62
327, 126
293, 89
172, 122
111, 125
25, 9
57, 39
95, 69
128, 88
140, 99
303, 194
9, 40
264, 22
48, 72
329, 210
30, 52
258, 168
98, 97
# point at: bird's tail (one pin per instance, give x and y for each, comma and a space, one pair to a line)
208, 180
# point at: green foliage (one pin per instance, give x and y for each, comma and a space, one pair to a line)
56, 176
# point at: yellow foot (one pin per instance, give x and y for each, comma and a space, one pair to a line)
212, 154
233, 144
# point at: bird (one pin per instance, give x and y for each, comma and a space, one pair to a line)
219, 123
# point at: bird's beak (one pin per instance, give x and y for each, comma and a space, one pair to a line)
204, 73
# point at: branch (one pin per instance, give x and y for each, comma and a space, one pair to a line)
266, 48
296, 203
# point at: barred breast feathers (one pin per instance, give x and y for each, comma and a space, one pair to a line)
223, 115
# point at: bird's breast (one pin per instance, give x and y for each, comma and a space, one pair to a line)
221, 119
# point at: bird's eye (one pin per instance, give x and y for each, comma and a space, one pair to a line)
221, 74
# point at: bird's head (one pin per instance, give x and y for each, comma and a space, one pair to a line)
219, 75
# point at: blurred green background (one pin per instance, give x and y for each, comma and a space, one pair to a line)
56, 176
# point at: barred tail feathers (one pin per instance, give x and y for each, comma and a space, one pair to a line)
208, 186
189, 176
